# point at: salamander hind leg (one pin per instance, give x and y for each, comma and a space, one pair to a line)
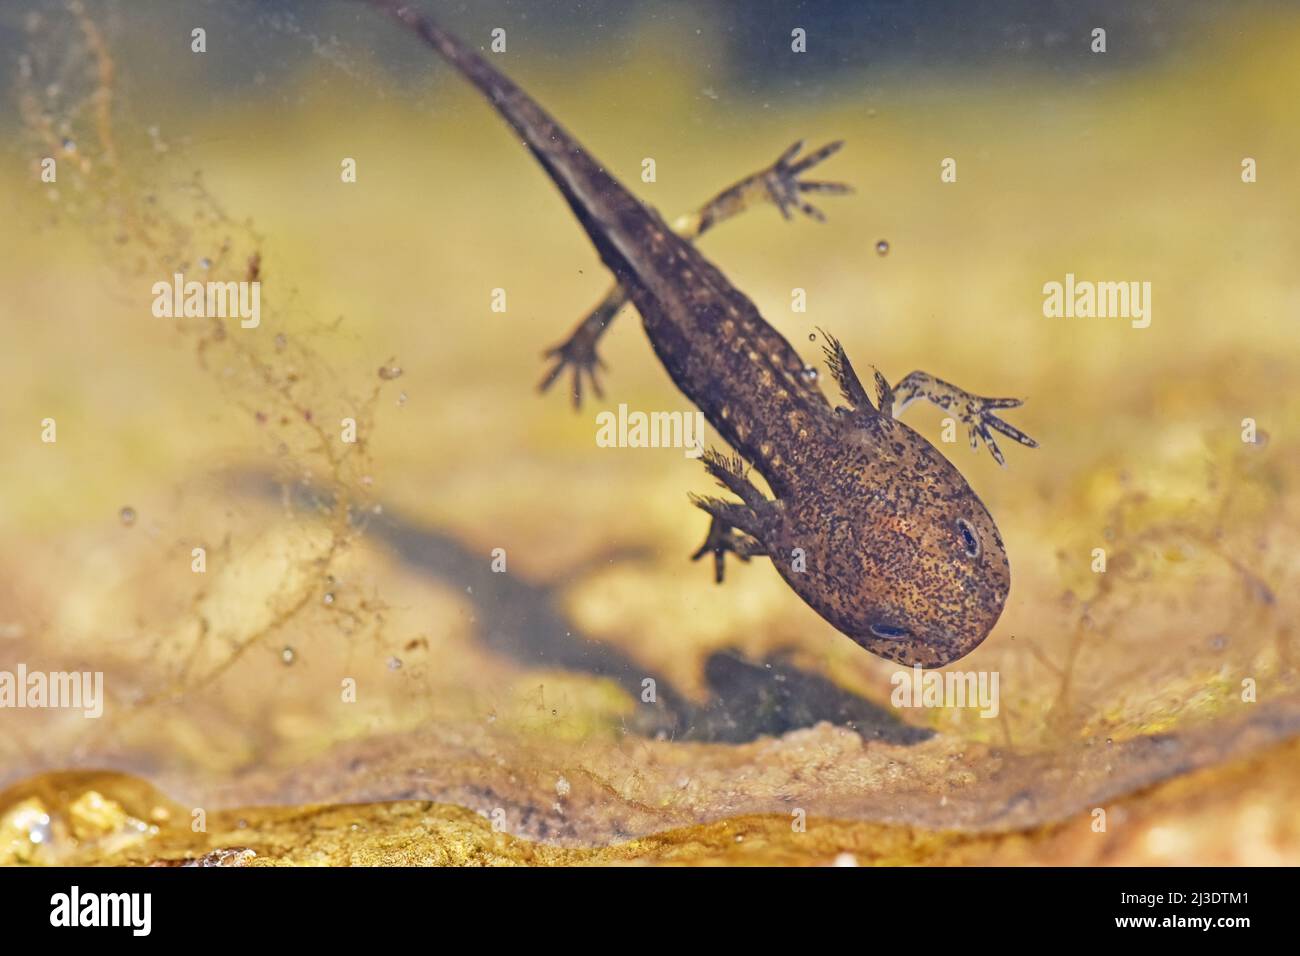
578, 353
786, 188
780, 184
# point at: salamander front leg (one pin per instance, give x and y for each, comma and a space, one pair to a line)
975, 410
723, 536
737, 528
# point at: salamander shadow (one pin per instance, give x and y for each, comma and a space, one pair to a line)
524, 621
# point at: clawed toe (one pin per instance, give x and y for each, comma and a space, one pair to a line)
784, 185
723, 538
980, 419
582, 361
975, 410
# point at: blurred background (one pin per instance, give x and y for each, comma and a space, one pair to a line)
517, 698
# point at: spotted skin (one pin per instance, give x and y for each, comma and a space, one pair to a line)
781, 184
867, 522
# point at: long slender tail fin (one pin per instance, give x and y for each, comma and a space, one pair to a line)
601, 203
677, 291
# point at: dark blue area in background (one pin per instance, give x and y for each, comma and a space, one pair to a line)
270, 38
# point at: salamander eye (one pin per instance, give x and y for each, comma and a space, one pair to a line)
888, 631
968, 538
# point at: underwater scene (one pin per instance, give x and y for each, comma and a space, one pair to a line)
580, 432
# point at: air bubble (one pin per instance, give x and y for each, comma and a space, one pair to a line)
809, 374
389, 372
288, 655
32, 822
882, 247
127, 516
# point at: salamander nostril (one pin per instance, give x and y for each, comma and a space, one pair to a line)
889, 632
